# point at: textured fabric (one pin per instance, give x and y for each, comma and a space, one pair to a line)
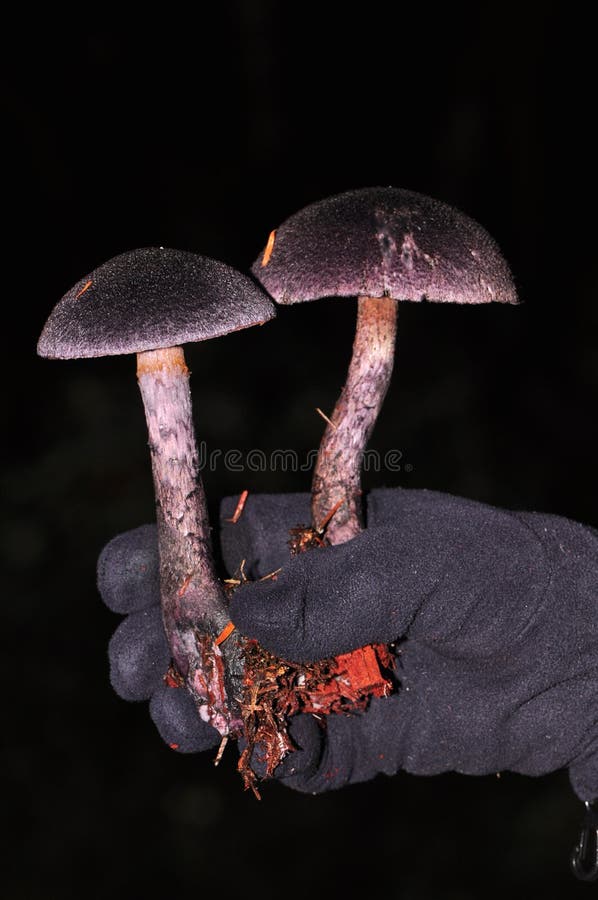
495, 619
138, 654
128, 570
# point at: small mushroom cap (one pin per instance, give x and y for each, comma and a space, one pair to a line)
384, 241
149, 299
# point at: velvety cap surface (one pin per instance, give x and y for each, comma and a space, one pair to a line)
384, 241
148, 299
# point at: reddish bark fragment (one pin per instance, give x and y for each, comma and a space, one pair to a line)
239, 508
303, 538
275, 690
173, 678
357, 676
226, 632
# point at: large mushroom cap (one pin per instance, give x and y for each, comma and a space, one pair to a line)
383, 241
149, 299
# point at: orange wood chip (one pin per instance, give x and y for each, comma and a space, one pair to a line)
226, 632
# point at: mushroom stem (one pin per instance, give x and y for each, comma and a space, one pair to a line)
337, 473
194, 605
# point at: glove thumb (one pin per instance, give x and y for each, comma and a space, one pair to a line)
323, 603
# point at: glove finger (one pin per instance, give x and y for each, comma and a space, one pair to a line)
307, 736
139, 655
323, 603
174, 714
260, 536
296, 769
346, 749
357, 747
128, 571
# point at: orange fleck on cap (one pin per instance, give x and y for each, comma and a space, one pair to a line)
269, 248
85, 287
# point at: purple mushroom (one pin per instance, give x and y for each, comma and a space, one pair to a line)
149, 302
381, 245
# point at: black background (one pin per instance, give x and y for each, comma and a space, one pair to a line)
204, 133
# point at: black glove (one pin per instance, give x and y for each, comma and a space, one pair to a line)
497, 620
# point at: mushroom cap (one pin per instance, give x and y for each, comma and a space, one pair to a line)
149, 299
384, 241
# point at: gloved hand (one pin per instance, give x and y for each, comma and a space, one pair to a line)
496, 617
